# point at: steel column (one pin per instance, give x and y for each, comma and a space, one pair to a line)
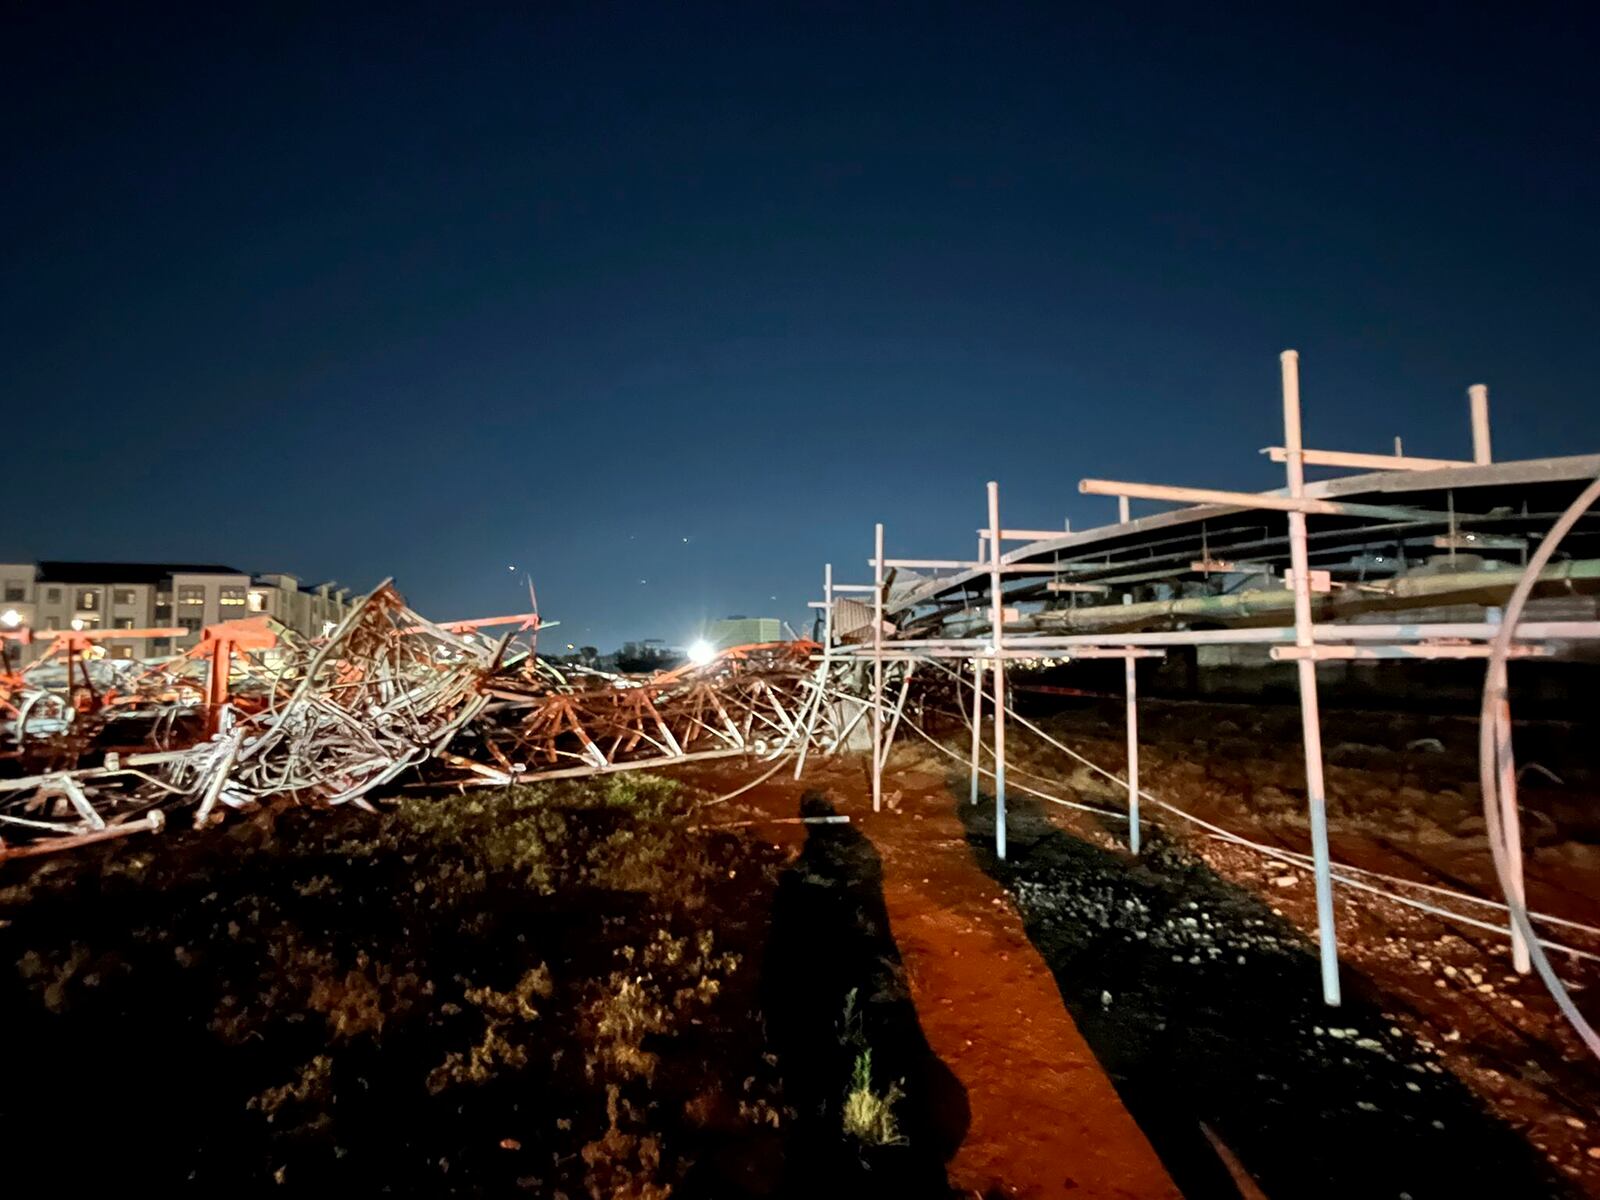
1310, 713
1131, 679
1478, 400
998, 620
1510, 817
823, 670
877, 669
977, 722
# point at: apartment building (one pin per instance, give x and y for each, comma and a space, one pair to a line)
51, 595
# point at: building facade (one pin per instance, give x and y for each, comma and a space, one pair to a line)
743, 631
48, 596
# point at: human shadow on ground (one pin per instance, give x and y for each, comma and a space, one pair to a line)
834, 990
1205, 1010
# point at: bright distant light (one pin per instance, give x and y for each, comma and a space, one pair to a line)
701, 652
11, 618
77, 622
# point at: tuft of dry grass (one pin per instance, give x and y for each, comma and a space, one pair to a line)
869, 1114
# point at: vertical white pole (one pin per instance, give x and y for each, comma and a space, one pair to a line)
1124, 513
1510, 817
997, 615
977, 722
1478, 399
877, 670
1131, 680
827, 610
1310, 713
823, 669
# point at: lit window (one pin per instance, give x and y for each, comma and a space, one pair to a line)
191, 595
231, 597
88, 600
258, 602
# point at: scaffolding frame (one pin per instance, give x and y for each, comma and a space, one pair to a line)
1306, 641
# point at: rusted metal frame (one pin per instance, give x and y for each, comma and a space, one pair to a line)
629, 716
750, 700
672, 745
630, 713
147, 824
694, 725
735, 736
771, 693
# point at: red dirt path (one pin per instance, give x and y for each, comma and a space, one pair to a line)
1045, 1120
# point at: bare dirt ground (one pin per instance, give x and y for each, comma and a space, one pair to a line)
1190, 986
1402, 800
619, 989
1042, 1119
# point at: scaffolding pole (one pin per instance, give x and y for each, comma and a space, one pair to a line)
1310, 714
1510, 817
977, 723
1130, 678
877, 668
1478, 401
822, 671
997, 611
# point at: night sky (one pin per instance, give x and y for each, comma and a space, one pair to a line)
432, 294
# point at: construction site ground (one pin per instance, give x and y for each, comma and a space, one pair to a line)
1187, 984
625, 988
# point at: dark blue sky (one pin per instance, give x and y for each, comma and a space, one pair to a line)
354, 293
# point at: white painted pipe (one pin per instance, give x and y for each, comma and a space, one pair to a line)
877, 669
977, 722
997, 620
1478, 401
1310, 711
1130, 678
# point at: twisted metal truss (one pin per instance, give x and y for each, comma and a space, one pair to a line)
254, 718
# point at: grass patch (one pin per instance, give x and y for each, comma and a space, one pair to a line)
869, 1113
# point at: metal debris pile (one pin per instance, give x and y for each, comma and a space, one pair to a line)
254, 715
